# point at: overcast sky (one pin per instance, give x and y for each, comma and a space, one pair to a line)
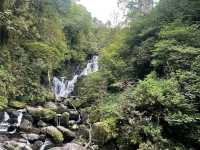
104, 10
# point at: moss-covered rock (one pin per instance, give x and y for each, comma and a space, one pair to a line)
104, 131
54, 133
17, 104
42, 113
3, 102
65, 119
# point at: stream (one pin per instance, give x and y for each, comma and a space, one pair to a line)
14, 124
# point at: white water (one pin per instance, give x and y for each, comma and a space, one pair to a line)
4, 125
62, 88
46, 143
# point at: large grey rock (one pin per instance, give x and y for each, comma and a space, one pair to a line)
13, 145
68, 134
69, 146
31, 137
73, 146
1, 116
26, 125
36, 145
41, 124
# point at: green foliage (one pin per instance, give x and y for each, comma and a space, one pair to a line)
3, 102
6, 83
39, 38
93, 87
45, 55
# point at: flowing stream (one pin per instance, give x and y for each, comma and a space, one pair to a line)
63, 88
12, 123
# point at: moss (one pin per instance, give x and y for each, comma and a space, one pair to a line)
42, 113
65, 118
104, 131
17, 104
55, 134
3, 102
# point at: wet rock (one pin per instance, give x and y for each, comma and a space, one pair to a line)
54, 133
57, 148
31, 137
28, 117
36, 145
41, 113
73, 146
74, 115
26, 125
13, 145
41, 124
68, 134
69, 146
65, 119
1, 116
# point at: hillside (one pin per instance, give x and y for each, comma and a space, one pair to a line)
129, 87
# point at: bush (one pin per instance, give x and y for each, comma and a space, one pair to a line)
3, 103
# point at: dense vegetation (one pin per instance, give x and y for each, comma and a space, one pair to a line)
38, 38
149, 90
145, 95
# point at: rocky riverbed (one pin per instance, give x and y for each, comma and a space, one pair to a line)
52, 125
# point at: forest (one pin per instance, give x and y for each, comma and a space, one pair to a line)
68, 81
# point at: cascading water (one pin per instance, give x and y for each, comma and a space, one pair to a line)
63, 89
5, 124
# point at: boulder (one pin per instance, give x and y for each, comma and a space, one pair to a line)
68, 134
31, 137
51, 106
69, 146
56, 148
13, 145
65, 119
74, 115
36, 145
102, 132
73, 146
1, 116
26, 125
41, 124
17, 104
54, 133
41, 113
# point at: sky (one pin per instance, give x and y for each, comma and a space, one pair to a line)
104, 10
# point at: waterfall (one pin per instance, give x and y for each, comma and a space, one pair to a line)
4, 125
63, 89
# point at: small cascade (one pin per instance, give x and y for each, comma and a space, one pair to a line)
63, 89
46, 143
5, 125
